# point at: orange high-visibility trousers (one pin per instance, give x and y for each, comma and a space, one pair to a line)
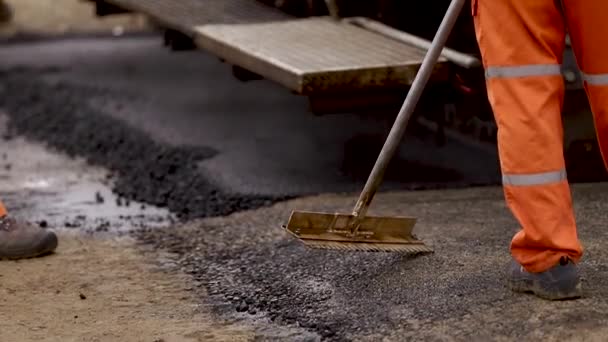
3, 210
522, 44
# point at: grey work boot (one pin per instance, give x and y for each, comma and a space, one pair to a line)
19, 240
562, 281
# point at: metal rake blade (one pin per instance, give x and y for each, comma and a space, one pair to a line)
374, 234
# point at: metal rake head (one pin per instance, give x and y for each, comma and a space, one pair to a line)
375, 233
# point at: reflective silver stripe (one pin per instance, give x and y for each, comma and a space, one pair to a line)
534, 178
523, 70
596, 79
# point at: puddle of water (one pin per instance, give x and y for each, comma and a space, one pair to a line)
62, 193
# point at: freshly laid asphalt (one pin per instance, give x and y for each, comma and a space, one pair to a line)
456, 293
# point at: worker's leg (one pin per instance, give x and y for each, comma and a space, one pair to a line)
3, 211
588, 29
19, 239
522, 44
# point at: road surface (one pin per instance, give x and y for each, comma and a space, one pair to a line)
218, 165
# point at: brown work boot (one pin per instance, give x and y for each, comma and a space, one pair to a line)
19, 240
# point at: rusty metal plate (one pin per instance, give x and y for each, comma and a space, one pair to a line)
184, 15
316, 54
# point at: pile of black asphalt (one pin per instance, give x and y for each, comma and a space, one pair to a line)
143, 169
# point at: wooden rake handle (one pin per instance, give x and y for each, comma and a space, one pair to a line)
396, 133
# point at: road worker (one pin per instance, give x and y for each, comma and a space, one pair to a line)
19, 239
522, 45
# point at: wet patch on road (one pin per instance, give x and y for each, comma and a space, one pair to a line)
58, 192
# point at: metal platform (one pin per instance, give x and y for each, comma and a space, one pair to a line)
308, 56
315, 54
